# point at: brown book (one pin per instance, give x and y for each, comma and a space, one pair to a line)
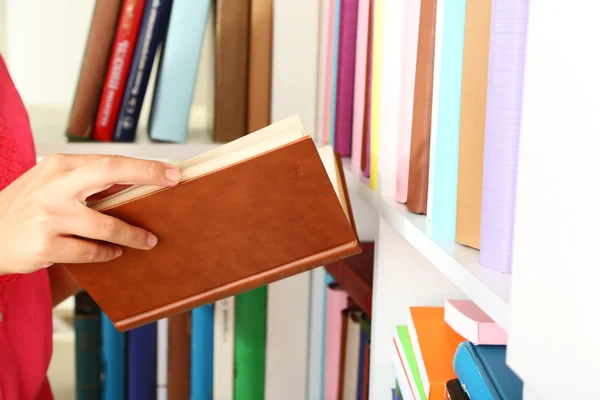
253, 211
231, 69
418, 178
93, 69
472, 121
259, 64
355, 275
180, 336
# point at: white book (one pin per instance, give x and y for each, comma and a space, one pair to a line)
316, 333
224, 347
400, 370
162, 358
437, 68
351, 365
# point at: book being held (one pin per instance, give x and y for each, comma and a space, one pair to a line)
251, 212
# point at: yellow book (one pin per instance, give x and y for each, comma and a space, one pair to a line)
378, 19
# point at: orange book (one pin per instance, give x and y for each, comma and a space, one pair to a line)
434, 344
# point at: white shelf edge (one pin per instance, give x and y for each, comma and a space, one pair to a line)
489, 289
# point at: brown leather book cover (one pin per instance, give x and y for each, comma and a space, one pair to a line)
221, 233
418, 178
180, 331
93, 69
472, 121
355, 275
259, 64
231, 69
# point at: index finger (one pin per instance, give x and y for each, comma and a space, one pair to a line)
101, 174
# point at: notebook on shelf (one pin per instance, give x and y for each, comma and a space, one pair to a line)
253, 211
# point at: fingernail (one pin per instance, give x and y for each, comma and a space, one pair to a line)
118, 251
173, 174
152, 240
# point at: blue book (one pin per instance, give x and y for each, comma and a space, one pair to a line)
361, 362
151, 33
201, 369
113, 361
483, 373
88, 333
446, 149
177, 71
142, 368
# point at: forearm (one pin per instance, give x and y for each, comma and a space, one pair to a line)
62, 284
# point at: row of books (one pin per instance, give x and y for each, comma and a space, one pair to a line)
455, 352
192, 355
219, 350
126, 39
443, 80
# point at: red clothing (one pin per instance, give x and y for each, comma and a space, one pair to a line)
25, 300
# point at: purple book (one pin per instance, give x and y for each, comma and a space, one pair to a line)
508, 36
345, 77
367, 171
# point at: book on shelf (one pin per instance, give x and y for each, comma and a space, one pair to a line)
251, 212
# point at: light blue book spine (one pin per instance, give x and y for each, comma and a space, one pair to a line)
316, 351
336, 41
177, 71
446, 156
112, 354
201, 370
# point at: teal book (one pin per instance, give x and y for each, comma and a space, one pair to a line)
177, 71
336, 42
88, 362
113, 361
446, 152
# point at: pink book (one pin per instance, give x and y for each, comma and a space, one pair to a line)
345, 77
337, 301
472, 323
360, 80
413, 9
325, 131
322, 75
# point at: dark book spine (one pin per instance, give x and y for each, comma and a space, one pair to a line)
151, 33
88, 364
142, 368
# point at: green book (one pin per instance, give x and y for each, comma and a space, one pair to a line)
250, 344
412, 360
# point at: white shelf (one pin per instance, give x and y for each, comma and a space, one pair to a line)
49, 124
489, 289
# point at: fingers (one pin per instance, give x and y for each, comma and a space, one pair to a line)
101, 173
97, 226
71, 250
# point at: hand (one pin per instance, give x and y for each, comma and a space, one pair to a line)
43, 218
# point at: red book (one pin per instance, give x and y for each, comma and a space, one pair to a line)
118, 69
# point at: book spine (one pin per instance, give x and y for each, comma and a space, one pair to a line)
93, 70
142, 357
336, 302
113, 361
118, 69
231, 70
334, 70
151, 33
87, 347
420, 141
180, 330
162, 358
250, 344
223, 379
345, 77
201, 365
177, 71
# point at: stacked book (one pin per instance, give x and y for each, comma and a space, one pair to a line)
455, 352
